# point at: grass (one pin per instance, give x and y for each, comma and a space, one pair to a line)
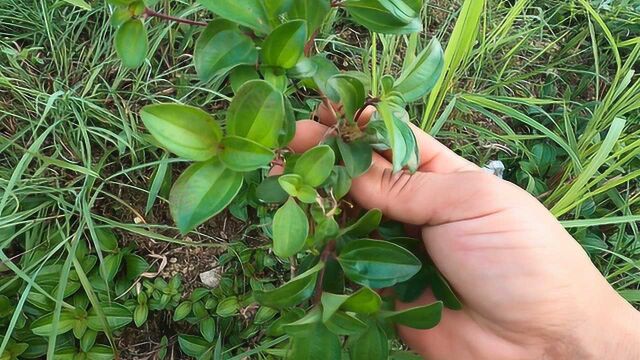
547, 87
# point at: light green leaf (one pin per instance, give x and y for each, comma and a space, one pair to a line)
373, 344
220, 48
242, 74
110, 266
131, 43
257, 113
182, 311
422, 74
384, 16
285, 45
315, 165
377, 263
421, 317
243, 155
100, 352
292, 293
363, 301
201, 192
43, 326
249, 13
184, 130
140, 314
290, 229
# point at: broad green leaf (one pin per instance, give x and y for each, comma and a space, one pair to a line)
121, 2
340, 181
220, 48
306, 322
351, 93
201, 192
227, 307
117, 317
421, 317
193, 345
257, 113
106, 239
269, 191
441, 288
6, 308
249, 13
290, 229
131, 43
208, 329
109, 268
43, 326
315, 165
276, 77
341, 323
242, 74
373, 344
377, 263
140, 314
397, 135
304, 68
363, 301
292, 293
120, 16
317, 343
331, 303
421, 75
285, 45
313, 11
243, 155
277, 7
384, 16
288, 130
100, 352
135, 266
182, 311
184, 130
356, 155
291, 183
365, 225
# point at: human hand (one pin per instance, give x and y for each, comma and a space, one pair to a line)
529, 290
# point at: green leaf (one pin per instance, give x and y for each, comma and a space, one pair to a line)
182, 311
340, 181
315, 165
100, 352
292, 293
421, 317
377, 263
249, 13
313, 11
317, 343
244, 155
384, 16
363, 301
227, 307
106, 239
341, 323
201, 192
208, 329
43, 326
140, 314
193, 345
351, 93
269, 191
398, 135
304, 68
356, 155
365, 225
277, 7
441, 289
131, 43
184, 130
220, 48
88, 340
257, 113
290, 229
242, 74
79, 3
291, 183
331, 303
135, 266
285, 45
120, 16
422, 74
117, 317
109, 268
373, 344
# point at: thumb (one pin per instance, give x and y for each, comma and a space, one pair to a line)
427, 198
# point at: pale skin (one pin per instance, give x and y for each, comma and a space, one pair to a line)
528, 288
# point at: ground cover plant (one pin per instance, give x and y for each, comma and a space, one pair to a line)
139, 141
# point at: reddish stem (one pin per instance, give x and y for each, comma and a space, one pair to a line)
327, 252
150, 13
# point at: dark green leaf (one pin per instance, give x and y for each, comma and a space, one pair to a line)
135, 266
182, 311
313, 11
208, 329
88, 340
100, 352
365, 225
131, 43
270, 191
249, 13
422, 74
384, 16
341, 323
314, 166
227, 307
373, 344
106, 239
421, 317
220, 48
243, 155
117, 317
257, 113
184, 130
290, 229
43, 326
201, 192
193, 345
377, 263
441, 289
285, 45
316, 343
292, 293
351, 93
242, 74
109, 268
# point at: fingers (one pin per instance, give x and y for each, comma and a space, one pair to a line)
308, 134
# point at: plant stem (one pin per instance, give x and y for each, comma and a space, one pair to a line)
150, 13
327, 252
374, 64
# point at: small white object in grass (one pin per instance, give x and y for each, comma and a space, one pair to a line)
495, 167
211, 278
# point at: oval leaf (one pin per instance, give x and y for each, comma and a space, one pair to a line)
221, 47
421, 317
363, 301
117, 317
242, 154
373, 344
356, 155
315, 165
201, 192
249, 13
184, 130
292, 293
377, 263
285, 45
257, 113
421, 75
384, 16
313, 11
131, 43
43, 326
317, 343
290, 229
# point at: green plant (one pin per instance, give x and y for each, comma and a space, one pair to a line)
264, 49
